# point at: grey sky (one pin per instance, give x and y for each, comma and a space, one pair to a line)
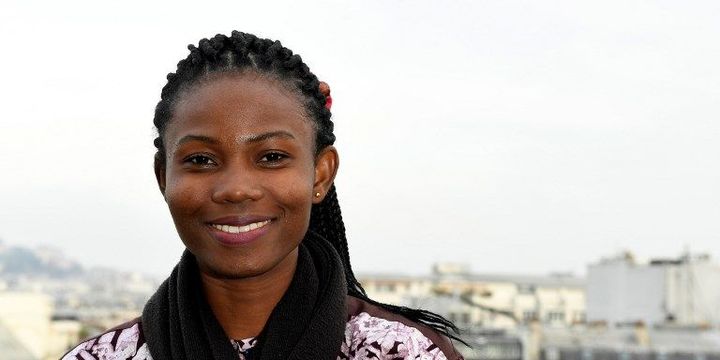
518, 136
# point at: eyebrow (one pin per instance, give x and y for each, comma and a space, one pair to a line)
241, 139
201, 138
265, 136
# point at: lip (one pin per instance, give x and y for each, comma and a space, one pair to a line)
240, 220
242, 238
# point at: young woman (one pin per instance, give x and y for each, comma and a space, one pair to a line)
245, 162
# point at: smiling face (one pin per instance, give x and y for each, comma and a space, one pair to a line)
241, 174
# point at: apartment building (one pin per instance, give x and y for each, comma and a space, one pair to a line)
485, 300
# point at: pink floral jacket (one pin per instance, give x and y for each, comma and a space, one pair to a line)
371, 333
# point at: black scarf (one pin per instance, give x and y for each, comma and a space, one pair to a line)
307, 323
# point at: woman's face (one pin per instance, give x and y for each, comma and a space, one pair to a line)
241, 174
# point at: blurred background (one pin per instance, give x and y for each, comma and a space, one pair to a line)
544, 173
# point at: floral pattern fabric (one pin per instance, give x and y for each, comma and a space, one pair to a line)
369, 337
366, 337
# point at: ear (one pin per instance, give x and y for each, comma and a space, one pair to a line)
326, 166
160, 173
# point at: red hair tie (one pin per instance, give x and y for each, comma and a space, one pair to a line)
325, 90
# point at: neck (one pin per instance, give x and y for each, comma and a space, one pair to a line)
242, 306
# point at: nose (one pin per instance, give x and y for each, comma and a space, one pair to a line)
236, 186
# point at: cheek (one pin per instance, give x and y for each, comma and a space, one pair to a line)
295, 193
183, 196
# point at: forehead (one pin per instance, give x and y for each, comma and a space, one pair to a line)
236, 105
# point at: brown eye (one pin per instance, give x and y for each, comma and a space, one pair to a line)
200, 161
273, 158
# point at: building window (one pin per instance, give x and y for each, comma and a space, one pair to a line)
555, 316
526, 289
529, 315
386, 287
461, 318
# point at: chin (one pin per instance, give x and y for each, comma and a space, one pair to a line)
244, 262
233, 270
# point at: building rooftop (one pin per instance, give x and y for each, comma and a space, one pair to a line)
626, 338
563, 280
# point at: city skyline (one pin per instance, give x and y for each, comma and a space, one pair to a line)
62, 264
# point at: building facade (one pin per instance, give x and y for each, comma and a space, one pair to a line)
682, 292
482, 300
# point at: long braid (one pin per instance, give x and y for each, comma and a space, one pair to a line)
245, 52
326, 220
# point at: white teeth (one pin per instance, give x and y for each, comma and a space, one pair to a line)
238, 229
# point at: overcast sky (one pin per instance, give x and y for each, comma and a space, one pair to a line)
516, 136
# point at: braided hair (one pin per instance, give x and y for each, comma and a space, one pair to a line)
243, 52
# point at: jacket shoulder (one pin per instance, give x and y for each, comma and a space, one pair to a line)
125, 341
367, 316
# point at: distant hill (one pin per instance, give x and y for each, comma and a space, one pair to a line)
16, 260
